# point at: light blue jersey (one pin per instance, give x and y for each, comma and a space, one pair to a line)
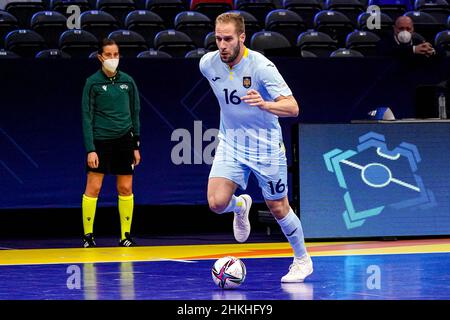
250, 139
244, 128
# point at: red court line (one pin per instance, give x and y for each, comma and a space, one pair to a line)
378, 244
334, 247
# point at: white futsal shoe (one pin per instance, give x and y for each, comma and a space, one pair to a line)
241, 223
299, 269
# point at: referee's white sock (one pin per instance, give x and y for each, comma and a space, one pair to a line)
292, 229
236, 205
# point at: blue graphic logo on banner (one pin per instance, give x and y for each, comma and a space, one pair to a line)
376, 168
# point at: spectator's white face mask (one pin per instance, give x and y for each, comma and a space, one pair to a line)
111, 65
404, 36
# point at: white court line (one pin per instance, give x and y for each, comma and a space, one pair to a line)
352, 164
381, 154
174, 260
405, 184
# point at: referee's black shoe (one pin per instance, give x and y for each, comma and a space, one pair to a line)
88, 241
127, 242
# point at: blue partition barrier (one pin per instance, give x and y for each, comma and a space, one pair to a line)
42, 155
376, 179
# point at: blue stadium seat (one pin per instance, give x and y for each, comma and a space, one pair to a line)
154, 54
8, 23
210, 42
93, 54
319, 43
50, 25
307, 9
346, 53
166, 9
119, 9
196, 53
211, 8
393, 8
146, 23
439, 9
264, 41
62, 5
425, 24
384, 30
259, 9
307, 54
25, 43
365, 42
5, 54
351, 8
442, 43
99, 23
130, 43
23, 11
78, 43
251, 25
335, 24
52, 54
175, 43
286, 22
195, 24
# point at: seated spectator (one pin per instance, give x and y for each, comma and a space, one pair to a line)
405, 42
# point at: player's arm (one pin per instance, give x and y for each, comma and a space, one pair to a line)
283, 106
283, 103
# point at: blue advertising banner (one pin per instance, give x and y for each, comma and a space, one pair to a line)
383, 179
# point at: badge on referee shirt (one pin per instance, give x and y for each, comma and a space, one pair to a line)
247, 82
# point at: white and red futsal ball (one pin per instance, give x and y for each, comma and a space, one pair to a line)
228, 272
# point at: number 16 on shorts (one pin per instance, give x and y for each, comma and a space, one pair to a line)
273, 184
277, 188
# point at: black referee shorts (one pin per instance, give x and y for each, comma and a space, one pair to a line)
115, 156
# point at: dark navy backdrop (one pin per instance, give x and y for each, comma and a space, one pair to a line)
42, 155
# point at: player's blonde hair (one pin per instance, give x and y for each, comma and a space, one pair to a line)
231, 17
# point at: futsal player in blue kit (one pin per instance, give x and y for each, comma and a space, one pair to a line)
252, 95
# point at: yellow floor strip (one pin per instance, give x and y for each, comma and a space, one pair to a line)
190, 252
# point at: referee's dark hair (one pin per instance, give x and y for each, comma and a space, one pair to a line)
106, 42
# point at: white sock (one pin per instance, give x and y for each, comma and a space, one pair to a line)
236, 205
292, 229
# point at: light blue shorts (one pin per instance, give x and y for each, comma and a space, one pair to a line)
271, 171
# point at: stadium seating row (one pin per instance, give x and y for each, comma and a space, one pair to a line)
144, 29
172, 43
168, 9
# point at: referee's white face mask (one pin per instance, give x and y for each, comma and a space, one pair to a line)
111, 64
110, 57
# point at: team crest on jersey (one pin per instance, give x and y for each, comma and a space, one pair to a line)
123, 87
104, 87
247, 82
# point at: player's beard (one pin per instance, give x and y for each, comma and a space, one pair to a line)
233, 55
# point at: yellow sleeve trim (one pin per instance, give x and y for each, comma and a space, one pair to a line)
246, 52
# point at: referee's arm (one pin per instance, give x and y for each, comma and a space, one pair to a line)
136, 108
87, 112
